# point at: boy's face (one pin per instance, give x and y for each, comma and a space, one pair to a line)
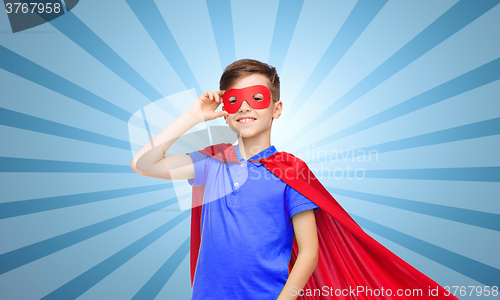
250, 122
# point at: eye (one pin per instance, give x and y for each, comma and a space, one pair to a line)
258, 97
232, 99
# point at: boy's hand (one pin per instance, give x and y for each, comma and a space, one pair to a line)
204, 107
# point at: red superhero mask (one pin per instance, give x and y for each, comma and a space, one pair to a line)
257, 96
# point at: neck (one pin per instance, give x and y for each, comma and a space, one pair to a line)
250, 146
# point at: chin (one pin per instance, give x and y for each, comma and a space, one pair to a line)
252, 133
248, 133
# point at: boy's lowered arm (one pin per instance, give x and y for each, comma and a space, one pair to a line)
304, 226
151, 162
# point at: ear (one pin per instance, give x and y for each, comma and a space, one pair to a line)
278, 106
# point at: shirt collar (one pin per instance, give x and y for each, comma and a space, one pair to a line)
262, 154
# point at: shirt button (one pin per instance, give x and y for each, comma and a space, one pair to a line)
236, 184
243, 165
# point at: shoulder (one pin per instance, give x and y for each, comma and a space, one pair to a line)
216, 149
289, 168
222, 152
288, 159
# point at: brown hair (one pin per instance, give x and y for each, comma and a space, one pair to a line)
245, 67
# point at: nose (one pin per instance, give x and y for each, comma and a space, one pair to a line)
245, 106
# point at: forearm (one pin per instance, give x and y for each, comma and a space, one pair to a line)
301, 272
155, 149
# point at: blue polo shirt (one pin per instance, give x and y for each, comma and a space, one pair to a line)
246, 228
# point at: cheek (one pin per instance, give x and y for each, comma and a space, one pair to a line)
270, 111
266, 115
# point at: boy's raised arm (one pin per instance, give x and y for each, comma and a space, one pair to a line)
151, 162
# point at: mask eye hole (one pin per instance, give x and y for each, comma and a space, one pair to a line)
258, 97
232, 99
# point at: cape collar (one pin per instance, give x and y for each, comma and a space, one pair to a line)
262, 154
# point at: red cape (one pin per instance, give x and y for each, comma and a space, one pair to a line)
348, 257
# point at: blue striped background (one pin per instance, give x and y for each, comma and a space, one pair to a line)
394, 105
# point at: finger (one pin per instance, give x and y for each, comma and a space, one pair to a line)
219, 114
210, 95
217, 98
221, 95
204, 95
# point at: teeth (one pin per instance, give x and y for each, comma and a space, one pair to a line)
246, 120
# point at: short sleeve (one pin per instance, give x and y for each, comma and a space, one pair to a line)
200, 162
295, 202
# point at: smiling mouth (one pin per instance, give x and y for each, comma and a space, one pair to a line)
245, 120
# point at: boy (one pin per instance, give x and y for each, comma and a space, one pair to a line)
256, 202
247, 233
